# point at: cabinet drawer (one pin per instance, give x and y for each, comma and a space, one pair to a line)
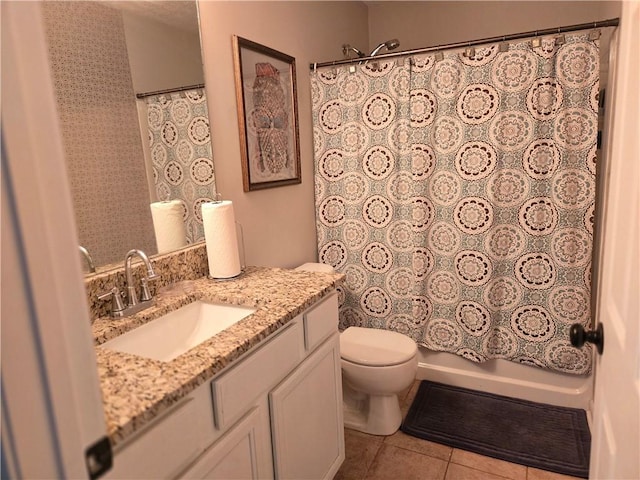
236, 390
321, 321
166, 446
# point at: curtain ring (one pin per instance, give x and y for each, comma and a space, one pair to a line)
503, 47
536, 42
469, 51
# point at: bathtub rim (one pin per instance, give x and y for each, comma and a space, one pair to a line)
511, 379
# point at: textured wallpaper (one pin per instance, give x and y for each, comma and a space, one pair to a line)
100, 129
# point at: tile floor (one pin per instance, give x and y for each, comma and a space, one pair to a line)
403, 457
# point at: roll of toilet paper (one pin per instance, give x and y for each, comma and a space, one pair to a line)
221, 239
168, 224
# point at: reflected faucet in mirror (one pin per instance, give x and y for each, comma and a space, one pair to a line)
87, 256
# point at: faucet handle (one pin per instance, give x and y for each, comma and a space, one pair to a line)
117, 305
146, 293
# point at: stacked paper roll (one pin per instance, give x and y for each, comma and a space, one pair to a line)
168, 225
221, 240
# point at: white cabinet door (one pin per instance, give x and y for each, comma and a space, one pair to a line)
306, 417
240, 453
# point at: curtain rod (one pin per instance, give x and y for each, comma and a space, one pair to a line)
169, 90
515, 36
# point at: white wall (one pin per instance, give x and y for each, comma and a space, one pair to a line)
161, 57
279, 223
423, 24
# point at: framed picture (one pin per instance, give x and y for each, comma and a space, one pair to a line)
267, 115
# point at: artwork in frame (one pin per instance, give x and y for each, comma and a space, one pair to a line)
267, 115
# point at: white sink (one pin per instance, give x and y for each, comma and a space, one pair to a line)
171, 335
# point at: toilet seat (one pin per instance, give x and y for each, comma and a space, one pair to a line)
375, 347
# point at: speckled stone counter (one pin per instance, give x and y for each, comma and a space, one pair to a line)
136, 389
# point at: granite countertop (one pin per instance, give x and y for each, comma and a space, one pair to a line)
136, 389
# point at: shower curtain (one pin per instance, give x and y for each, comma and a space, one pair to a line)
181, 157
456, 193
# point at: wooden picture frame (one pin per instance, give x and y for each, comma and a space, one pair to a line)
266, 95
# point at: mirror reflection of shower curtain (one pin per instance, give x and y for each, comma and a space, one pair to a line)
179, 149
462, 215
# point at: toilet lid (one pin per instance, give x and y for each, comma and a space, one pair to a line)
316, 267
370, 346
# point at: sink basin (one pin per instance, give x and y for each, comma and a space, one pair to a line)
171, 335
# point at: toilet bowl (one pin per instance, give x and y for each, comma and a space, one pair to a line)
376, 366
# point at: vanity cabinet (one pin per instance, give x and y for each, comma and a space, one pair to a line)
306, 417
275, 413
239, 454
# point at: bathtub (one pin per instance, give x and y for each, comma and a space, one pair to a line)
511, 379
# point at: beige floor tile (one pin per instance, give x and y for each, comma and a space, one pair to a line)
488, 464
537, 474
360, 450
402, 440
393, 463
403, 394
407, 399
460, 472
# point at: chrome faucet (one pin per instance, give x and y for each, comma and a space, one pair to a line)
132, 296
119, 308
87, 257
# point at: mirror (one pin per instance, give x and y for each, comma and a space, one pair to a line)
124, 153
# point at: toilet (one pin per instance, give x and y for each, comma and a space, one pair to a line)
376, 366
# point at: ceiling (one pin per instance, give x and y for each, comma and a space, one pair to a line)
178, 14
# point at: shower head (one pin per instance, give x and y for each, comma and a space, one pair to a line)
346, 49
389, 45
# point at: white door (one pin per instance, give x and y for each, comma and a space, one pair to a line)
51, 400
615, 451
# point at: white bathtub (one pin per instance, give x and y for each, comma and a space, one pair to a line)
511, 379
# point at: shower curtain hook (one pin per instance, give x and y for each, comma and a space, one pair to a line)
504, 47
469, 51
315, 66
594, 34
536, 42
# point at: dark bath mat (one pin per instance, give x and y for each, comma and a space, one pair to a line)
537, 435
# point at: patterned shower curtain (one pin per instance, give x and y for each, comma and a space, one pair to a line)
457, 194
180, 146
